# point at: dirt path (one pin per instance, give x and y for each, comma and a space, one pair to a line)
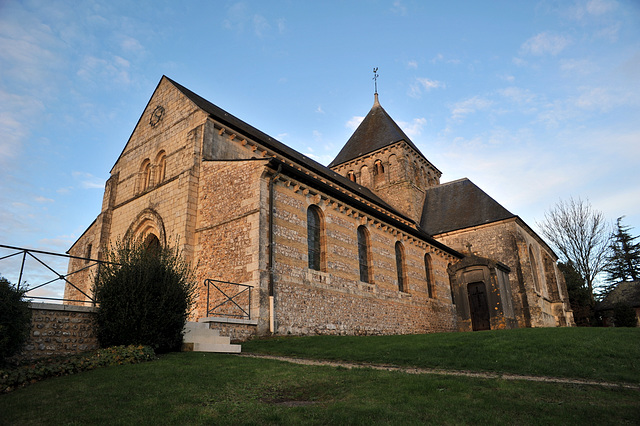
414, 370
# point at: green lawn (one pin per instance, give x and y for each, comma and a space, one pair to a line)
196, 388
608, 354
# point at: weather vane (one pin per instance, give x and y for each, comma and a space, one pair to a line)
375, 78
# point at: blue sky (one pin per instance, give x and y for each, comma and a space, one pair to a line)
533, 101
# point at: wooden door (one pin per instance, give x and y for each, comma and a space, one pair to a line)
478, 306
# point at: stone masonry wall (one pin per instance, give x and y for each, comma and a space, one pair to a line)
334, 300
228, 229
59, 330
510, 244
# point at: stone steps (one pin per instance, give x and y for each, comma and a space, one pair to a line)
198, 337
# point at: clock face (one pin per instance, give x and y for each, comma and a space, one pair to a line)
156, 116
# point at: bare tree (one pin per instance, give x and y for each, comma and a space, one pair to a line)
581, 235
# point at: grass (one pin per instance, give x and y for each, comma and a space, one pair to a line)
196, 388
606, 354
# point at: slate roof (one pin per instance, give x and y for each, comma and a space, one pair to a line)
457, 205
627, 292
376, 131
235, 123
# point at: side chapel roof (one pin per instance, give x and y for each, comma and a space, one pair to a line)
626, 292
376, 131
457, 205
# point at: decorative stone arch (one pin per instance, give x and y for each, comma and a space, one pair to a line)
351, 175
161, 166
394, 168
480, 289
144, 175
147, 223
534, 270
365, 176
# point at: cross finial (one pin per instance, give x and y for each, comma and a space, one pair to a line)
469, 247
375, 79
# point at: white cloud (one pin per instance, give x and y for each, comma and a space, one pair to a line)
89, 181
518, 95
579, 66
600, 7
469, 106
115, 69
319, 110
260, 25
414, 128
546, 43
41, 199
354, 122
423, 84
399, 8
412, 64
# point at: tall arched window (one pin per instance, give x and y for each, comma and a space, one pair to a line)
363, 254
428, 273
314, 237
534, 269
162, 166
400, 267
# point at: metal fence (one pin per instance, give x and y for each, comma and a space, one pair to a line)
39, 258
229, 300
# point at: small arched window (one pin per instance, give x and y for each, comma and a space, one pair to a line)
145, 171
378, 168
352, 176
314, 237
162, 166
400, 267
363, 254
428, 274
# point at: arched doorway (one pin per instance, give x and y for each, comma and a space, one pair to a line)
152, 244
478, 306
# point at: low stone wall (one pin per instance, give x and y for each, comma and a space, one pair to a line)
59, 330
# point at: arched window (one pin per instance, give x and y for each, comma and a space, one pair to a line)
534, 269
378, 173
88, 255
363, 254
379, 168
352, 176
400, 267
162, 166
145, 175
428, 273
314, 237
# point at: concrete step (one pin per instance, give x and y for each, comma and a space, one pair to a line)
208, 347
198, 337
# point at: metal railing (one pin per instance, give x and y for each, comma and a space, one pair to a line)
230, 306
37, 255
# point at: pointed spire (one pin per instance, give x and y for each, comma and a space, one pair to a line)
375, 100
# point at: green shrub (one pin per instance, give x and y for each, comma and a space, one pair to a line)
144, 297
15, 319
10, 378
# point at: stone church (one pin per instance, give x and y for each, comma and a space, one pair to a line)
371, 244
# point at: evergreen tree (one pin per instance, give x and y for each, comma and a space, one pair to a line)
623, 261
